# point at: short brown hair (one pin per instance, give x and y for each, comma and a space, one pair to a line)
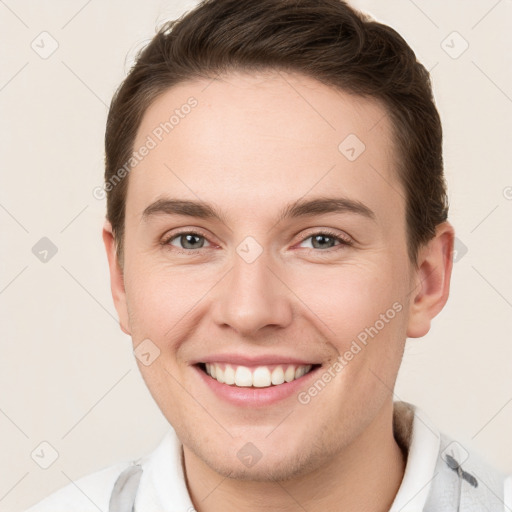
326, 40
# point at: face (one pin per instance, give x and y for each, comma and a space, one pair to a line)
265, 237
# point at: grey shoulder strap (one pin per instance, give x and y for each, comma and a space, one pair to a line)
124, 492
462, 482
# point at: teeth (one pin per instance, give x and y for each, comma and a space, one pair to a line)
299, 372
243, 377
229, 375
289, 374
278, 376
260, 377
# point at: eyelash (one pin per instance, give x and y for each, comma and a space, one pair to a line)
343, 242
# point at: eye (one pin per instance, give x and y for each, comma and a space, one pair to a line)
188, 240
326, 240
191, 241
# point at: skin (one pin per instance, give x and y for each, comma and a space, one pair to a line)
253, 144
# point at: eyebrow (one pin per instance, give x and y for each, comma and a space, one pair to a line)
299, 208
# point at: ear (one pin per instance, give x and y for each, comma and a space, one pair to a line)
433, 273
116, 278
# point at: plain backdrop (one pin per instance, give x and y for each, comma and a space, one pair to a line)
67, 373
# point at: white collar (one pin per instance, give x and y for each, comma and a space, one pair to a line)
162, 486
421, 439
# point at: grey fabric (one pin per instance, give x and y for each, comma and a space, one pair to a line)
462, 482
124, 492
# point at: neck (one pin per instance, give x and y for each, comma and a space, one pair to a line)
363, 477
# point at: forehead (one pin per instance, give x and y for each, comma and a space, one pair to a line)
253, 141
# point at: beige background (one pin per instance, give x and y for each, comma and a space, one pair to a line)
67, 373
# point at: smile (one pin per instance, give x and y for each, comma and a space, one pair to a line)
258, 377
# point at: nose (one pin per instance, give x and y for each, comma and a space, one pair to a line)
252, 298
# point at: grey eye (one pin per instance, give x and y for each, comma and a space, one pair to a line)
188, 241
321, 241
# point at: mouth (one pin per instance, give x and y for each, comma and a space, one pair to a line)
263, 376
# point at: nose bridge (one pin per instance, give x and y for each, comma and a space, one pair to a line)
251, 296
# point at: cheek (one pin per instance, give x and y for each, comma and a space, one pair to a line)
166, 305
347, 299
362, 313
154, 303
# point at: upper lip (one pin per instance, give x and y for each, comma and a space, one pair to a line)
244, 360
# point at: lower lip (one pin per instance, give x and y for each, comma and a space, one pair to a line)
255, 397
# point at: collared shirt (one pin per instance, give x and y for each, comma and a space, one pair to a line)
437, 478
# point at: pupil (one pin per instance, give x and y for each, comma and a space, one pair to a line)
189, 241
319, 238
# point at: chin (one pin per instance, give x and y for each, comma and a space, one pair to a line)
275, 464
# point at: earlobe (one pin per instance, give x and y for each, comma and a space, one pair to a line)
116, 278
432, 281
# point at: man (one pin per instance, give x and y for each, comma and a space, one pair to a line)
276, 228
